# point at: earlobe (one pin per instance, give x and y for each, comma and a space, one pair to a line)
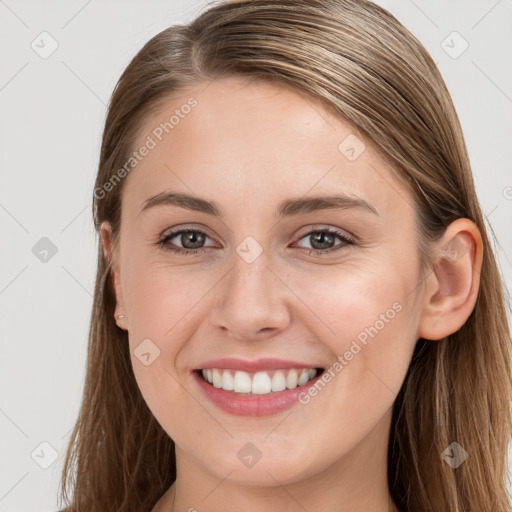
109, 253
453, 284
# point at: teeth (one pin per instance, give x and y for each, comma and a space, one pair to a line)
242, 382
258, 383
291, 379
304, 377
227, 381
217, 378
279, 382
261, 383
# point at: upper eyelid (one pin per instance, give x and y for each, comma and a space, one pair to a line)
323, 227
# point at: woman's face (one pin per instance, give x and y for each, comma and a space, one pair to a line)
273, 287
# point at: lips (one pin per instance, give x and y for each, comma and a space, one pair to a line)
255, 388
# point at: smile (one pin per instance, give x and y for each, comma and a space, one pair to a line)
254, 388
258, 383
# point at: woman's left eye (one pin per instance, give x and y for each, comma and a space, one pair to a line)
325, 236
192, 239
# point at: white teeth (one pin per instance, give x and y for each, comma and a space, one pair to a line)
227, 381
291, 379
278, 381
258, 383
261, 384
242, 382
217, 378
304, 377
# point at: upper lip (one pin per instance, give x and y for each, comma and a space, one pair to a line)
252, 366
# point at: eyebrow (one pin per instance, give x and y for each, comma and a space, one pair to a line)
287, 208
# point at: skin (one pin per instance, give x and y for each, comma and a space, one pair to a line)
248, 146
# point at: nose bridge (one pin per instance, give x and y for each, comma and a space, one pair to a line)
250, 280
252, 300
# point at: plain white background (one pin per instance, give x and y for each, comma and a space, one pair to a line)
52, 113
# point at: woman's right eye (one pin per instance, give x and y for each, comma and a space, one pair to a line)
186, 237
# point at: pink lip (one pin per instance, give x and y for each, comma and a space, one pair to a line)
252, 405
253, 366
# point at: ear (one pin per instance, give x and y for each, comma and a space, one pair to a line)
452, 286
111, 255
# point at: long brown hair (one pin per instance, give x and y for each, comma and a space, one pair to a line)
362, 64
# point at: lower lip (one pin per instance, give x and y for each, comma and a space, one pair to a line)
252, 405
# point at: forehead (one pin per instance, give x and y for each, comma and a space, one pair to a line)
239, 139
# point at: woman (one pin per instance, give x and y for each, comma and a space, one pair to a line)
297, 306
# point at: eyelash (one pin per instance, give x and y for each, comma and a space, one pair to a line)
164, 242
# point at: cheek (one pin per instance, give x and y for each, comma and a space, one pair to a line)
160, 303
163, 305
366, 320
364, 315
161, 300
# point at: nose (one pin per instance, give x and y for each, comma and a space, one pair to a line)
252, 302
